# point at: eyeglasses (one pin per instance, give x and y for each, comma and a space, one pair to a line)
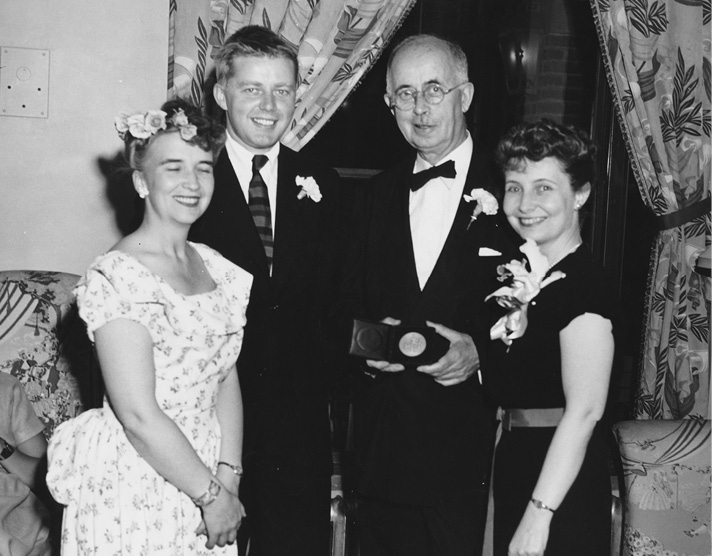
434, 93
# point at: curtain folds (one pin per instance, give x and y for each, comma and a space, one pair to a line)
657, 58
337, 42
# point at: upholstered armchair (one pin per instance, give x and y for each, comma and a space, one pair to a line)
43, 344
666, 495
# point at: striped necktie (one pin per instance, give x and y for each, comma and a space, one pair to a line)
259, 205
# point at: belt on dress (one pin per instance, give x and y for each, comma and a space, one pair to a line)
535, 417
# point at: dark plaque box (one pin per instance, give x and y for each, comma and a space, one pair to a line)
409, 345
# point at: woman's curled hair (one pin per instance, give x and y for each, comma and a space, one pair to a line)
534, 141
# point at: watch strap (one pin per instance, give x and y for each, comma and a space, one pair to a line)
236, 469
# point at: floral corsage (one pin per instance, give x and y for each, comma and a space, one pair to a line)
486, 203
309, 188
526, 285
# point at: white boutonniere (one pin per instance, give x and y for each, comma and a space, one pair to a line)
485, 203
525, 286
309, 188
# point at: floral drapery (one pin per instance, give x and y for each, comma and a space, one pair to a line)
337, 42
657, 57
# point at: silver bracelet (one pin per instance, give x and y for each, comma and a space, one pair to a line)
209, 496
7, 449
539, 504
236, 469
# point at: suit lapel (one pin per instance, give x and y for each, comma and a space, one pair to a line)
402, 259
290, 210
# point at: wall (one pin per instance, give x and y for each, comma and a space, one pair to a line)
563, 84
105, 57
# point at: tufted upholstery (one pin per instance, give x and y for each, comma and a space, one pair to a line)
666, 470
44, 344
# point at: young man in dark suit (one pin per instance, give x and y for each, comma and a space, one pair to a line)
274, 214
424, 434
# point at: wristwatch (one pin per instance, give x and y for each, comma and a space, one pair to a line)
209, 496
7, 449
236, 469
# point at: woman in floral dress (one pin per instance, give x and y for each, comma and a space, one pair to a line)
549, 366
156, 470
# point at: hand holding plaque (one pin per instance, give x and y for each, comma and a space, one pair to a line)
410, 346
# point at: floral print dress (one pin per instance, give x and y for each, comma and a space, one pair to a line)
117, 504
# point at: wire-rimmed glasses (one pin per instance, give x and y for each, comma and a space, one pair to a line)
433, 93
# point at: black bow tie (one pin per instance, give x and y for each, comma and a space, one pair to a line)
444, 170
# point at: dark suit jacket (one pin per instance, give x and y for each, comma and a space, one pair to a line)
283, 366
419, 442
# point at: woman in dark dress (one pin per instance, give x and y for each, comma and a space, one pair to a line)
551, 358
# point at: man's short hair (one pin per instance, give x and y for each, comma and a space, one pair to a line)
456, 53
254, 41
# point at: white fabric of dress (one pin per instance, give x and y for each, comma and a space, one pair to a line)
117, 504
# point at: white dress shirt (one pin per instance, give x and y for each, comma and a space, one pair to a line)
241, 160
433, 207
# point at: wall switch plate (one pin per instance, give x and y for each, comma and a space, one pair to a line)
24, 82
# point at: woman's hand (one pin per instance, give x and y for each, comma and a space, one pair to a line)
532, 534
221, 519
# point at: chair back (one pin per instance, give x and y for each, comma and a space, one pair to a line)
666, 471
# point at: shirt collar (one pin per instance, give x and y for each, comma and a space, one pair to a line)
461, 155
242, 158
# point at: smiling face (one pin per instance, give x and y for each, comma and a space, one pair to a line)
259, 95
541, 204
176, 179
434, 130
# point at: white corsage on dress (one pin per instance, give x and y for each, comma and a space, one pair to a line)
526, 285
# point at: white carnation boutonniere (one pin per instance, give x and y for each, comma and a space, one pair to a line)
486, 203
525, 286
309, 188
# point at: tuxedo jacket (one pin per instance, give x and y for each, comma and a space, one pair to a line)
419, 442
283, 366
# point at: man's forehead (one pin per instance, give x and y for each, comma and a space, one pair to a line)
242, 62
421, 64
420, 76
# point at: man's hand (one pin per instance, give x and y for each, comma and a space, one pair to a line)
385, 366
460, 361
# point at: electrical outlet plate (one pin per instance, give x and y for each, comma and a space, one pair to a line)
24, 82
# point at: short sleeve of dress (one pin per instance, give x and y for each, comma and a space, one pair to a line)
115, 286
585, 289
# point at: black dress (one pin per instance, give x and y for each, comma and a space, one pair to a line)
528, 375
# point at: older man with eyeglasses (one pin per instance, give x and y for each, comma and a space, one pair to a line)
424, 432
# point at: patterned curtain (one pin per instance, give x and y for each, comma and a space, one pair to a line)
657, 57
337, 42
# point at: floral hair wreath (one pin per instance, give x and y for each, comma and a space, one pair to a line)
144, 124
